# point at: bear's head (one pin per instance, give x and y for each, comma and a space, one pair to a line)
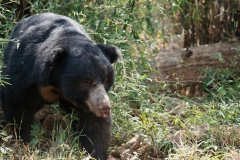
86, 74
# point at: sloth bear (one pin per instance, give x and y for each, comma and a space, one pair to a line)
51, 58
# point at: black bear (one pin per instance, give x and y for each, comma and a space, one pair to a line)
50, 58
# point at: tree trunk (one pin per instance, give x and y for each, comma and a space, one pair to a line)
183, 69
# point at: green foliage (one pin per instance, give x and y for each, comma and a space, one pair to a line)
5, 29
61, 139
37, 133
222, 84
222, 87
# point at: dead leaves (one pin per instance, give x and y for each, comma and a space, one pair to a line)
135, 149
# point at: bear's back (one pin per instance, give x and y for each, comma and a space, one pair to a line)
33, 39
39, 34
42, 24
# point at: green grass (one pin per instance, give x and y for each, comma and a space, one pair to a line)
167, 127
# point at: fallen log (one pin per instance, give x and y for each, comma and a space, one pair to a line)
183, 69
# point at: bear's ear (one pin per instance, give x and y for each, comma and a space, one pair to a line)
57, 56
110, 51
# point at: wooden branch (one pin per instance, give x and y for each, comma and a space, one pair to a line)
185, 67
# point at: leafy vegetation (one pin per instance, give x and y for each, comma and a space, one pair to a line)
147, 123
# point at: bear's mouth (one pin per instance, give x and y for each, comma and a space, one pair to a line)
105, 111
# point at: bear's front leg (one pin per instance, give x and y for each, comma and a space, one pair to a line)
23, 120
95, 134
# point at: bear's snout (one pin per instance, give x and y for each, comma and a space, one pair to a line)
98, 102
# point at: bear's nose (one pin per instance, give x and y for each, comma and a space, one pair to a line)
106, 111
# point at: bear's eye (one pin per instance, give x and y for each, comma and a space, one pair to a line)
105, 81
86, 82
